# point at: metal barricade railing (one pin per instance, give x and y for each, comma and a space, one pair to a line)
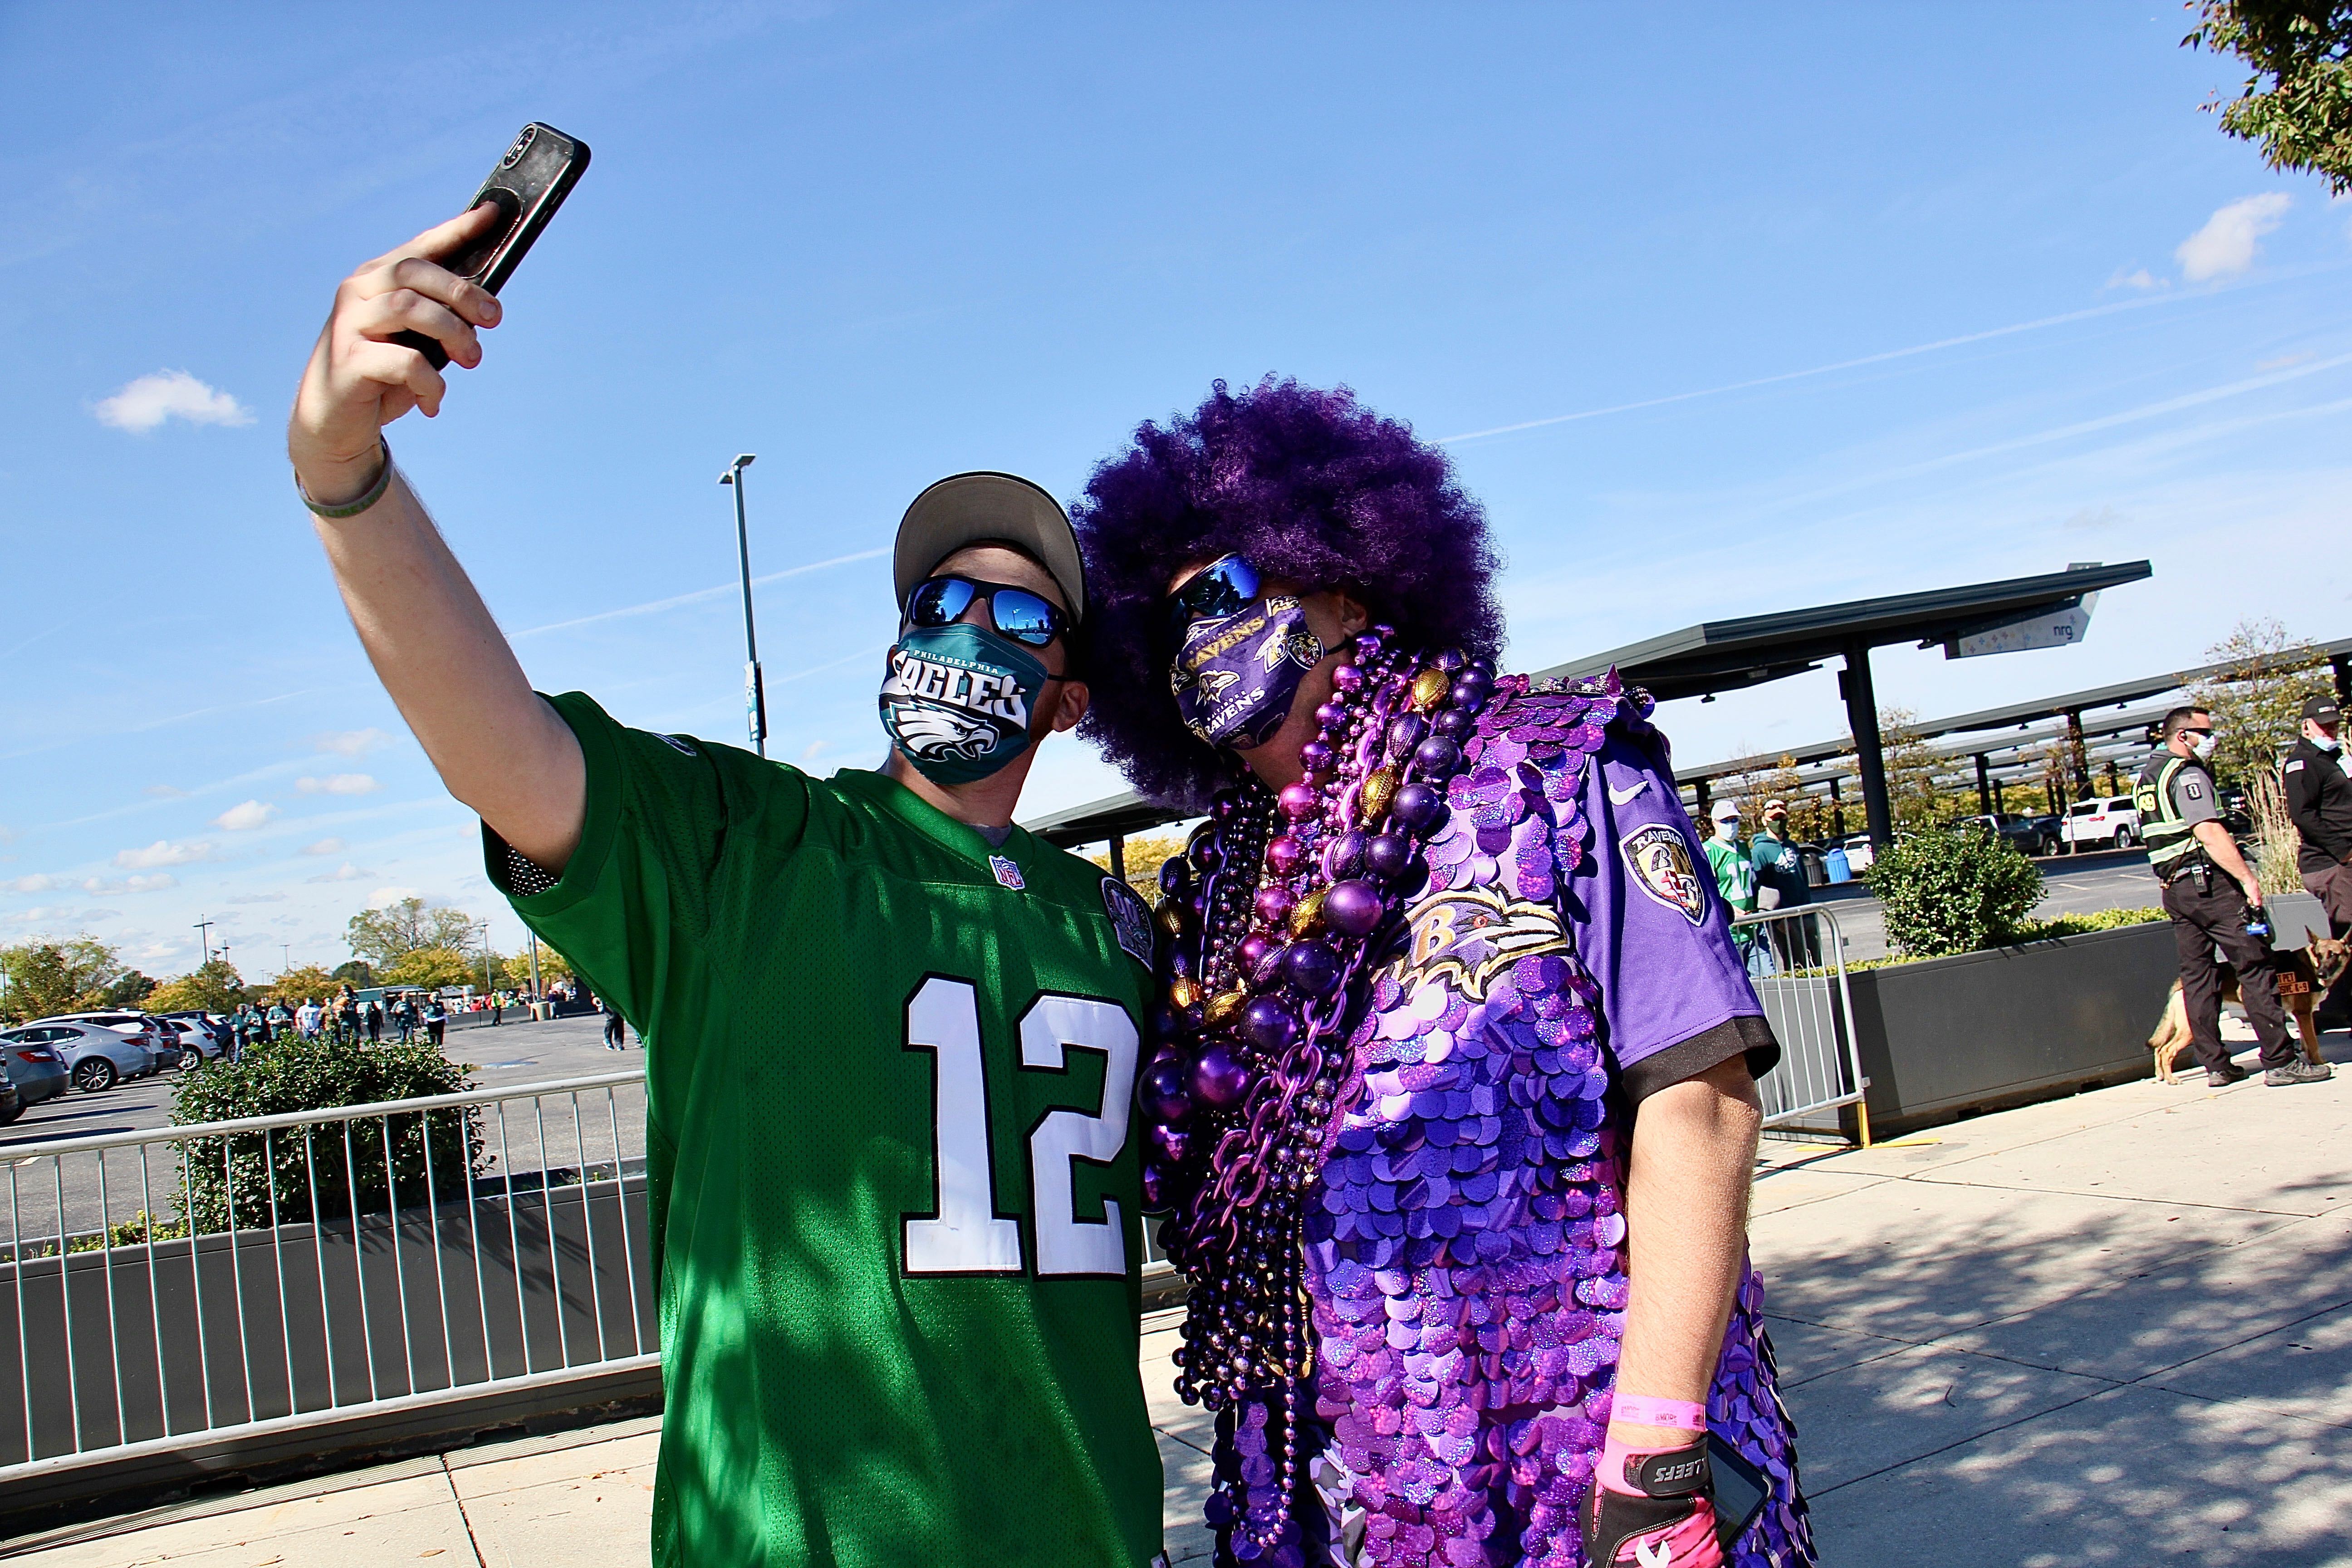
1796, 959
266, 1274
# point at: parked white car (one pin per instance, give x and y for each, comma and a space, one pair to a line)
2107, 821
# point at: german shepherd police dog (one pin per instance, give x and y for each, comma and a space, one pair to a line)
2306, 975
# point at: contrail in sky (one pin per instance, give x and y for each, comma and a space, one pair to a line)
1965, 337
655, 607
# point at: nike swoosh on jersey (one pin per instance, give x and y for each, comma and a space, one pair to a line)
1619, 796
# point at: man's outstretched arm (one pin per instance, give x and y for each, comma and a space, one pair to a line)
499, 748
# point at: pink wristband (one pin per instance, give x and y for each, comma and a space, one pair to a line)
1641, 1410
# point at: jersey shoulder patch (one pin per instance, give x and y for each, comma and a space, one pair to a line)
2192, 789
1659, 857
1130, 920
2294, 766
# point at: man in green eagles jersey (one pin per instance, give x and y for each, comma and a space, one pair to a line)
891, 1038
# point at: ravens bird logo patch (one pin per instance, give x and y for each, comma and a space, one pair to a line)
1659, 859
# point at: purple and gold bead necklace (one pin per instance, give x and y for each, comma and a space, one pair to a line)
1271, 920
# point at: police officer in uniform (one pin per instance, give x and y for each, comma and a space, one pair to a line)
2213, 895
2318, 779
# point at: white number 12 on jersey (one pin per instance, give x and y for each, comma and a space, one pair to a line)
966, 1234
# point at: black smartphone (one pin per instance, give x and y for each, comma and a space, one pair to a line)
1740, 1489
530, 183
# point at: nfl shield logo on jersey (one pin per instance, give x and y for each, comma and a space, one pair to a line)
1008, 875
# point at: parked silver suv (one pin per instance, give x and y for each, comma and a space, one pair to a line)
98, 1055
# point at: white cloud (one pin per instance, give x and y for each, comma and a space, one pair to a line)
2227, 245
2090, 518
170, 395
101, 914
324, 847
384, 898
2139, 278
154, 884
351, 743
39, 882
162, 852
337, 784
163, 792
347, 872
259, 899
243, 818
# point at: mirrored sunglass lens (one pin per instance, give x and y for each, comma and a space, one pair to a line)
1023, 615
939, 602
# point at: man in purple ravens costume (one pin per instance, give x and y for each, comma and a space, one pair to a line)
1453, 1100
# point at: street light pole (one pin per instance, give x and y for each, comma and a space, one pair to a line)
205, 934
485, 958
755, 699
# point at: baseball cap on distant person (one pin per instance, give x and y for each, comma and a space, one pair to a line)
1776, 808
2320, 708
986, 507
1725, 811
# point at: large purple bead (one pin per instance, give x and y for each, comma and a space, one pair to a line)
1436, 757
1170, 1144
1453, 724
1218, 1076
1352, 908
1315, 756
1298, 801
1449, 660
1344, 855
1163, 1093
1252, 950
1274, 904
1175, 876
1311, 967
1388, 855
1265, 972
1269, 1024
1205, 853
1347, 677
1471, 689
1417, 807
1283, 854
1405, 731
1224, 804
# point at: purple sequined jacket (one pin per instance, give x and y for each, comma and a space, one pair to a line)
1465, 1248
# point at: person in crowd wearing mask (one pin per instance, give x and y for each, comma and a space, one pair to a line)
1780, 884
2318, 778
280, 1020
1735, 874
2213, 900
898, 1261
373, 1014
1453, 1091
436, 1018
615, 1034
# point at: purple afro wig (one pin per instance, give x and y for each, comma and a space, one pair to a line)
1310, 485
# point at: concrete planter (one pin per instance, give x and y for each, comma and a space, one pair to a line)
1948, 1038
135, 1344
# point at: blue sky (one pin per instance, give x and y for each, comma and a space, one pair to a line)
1770, 309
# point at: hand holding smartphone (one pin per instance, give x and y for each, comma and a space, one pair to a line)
526, 186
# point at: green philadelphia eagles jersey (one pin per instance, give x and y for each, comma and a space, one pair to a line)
891, 1163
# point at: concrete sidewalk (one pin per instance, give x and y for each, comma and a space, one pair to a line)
2113, 1329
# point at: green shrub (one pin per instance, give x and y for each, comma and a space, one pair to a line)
1950, 891
360, 1166
2078, 925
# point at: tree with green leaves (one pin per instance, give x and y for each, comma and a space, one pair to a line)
434, 967
383, 937
212, 985
2296, 104
2256, 696
48, 976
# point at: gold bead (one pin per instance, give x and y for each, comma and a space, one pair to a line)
1429, 690
1380, 788
1183, 991
1306, 913
1224, 1009
1173, 917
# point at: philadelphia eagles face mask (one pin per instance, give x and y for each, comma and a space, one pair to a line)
957, 700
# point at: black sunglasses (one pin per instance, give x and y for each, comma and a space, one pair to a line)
1016, 613
1221, 588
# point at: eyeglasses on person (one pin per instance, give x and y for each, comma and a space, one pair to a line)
1016, 613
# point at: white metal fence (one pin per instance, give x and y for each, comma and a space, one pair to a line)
243, 1276
1797, 961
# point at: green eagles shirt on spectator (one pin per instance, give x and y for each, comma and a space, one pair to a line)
1734, 878
891, 1177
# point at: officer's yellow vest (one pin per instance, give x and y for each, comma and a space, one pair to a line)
2169, 839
